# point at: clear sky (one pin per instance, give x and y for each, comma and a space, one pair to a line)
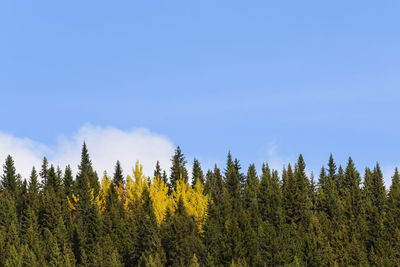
266, 80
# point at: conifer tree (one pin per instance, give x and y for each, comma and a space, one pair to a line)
233, 182
33, 191
157, 171
86, 176
53, 179
251, 192
197, 173
374, 201
218, 212
68, 180
165, 177
44, 171
392, 218
8, 226
9, 179
178, 169
118, 177
147, 236
180, 238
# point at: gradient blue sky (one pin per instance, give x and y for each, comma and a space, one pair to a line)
265, 79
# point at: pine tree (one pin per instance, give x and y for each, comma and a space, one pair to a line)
218, 212
44, 171
10, 180
165, 177
50, 210
392, 219
197, 173
180, 238
86, 176
33, 191
270, 203
8, 225
147, 236
157, 171
374, 201
68, 181
178, 169
53, 255
251, 192
14, 259
30, 235
118, 177
53, 179
233, 182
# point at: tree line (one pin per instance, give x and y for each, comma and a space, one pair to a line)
223, 217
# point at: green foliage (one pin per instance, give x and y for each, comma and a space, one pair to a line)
178, 168
271, 220
118, 177
68, 181
197, 173
180, 238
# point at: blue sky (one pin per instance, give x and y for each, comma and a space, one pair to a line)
265, 79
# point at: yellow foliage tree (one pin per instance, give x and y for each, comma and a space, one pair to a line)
104, 190
196, 203
135, 188
159, 198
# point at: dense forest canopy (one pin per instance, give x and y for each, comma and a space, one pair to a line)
223, 217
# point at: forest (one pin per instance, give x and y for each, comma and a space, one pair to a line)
227, 216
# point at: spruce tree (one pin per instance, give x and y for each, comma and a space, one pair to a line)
9, 179
68, 180
180, 238
233, 182
86, 176
33, 191
251, 192
44, 171
157, 171
392, 218
197, 173
147, 236
178, 169
53, 179
374, 201
118, 178
8, 226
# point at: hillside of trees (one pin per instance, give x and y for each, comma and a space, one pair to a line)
226, 216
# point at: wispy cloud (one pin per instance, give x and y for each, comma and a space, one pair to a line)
106, 145
274, 158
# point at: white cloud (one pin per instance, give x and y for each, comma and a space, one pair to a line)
105, 145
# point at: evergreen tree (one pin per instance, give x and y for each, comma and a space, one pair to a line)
53, 179
44, 171
374, 201
165, 177
8, 226
147, 233
392, 219
33, 191
86, 176
118, 178
9, 179
68, 180
197, 173
178, 169
233, 182
180, 238
157, 171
